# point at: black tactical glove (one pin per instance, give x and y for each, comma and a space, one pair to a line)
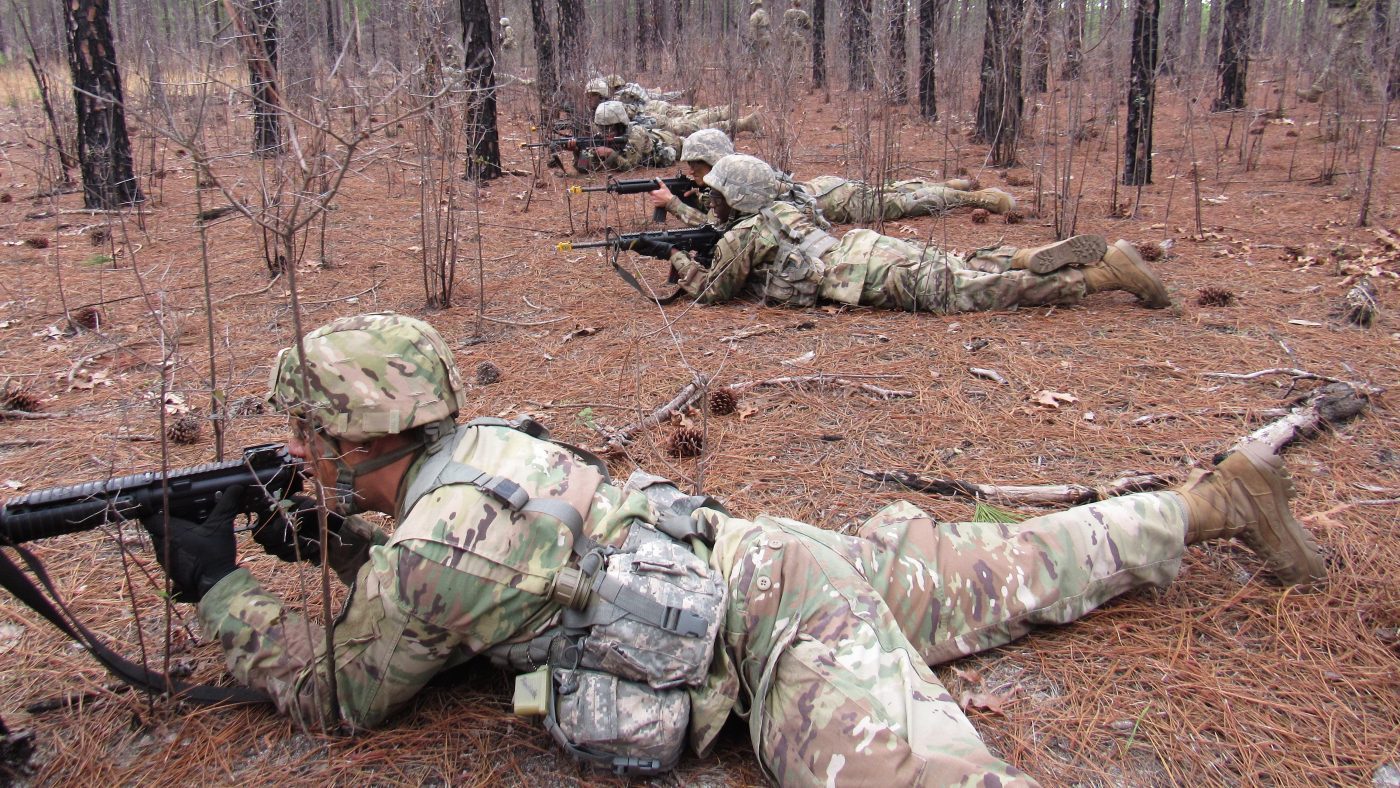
295, 531
200, 554
651, 248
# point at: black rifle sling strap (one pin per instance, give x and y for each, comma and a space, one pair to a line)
13, 579
632, 280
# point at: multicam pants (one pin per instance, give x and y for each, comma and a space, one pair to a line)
833, 635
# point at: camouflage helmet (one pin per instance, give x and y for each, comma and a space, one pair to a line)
632, 93
598, 86
609, 113
746, 182
370, 376
707, 145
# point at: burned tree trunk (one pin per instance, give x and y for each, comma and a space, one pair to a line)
858, 45
262, 76
1074, 39
104, 150
547, 73
899, 52
999, 102
1234, 56
928, 79
819, 44
573, 54
483, 143
1142, 88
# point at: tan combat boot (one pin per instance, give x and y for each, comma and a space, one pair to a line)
1122, 268
962, 184
1077, 250
750, 122
994, 200
1247, 496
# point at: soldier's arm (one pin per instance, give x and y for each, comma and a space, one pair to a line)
628, 156
691, 216
349, 552
725, 276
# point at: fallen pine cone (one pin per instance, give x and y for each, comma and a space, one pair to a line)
723, 402
1360, 304
19, 398
185, 429
1215, 296
980, 216
37, 242
1148, 251
487, 373
686, 442
247, 406
1015, 217
89, 318
7, 198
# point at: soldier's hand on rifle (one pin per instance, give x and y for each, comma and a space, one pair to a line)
197, 555
293, 530
662, 196
651, 248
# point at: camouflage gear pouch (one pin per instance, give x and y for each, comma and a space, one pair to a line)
798, 270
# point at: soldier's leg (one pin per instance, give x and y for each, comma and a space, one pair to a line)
838, 693
960, 588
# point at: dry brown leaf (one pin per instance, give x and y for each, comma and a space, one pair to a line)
971, 676
989, 701
1053, 399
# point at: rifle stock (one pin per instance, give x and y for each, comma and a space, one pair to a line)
192, 493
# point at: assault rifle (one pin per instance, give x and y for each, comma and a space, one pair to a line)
700, 240
576, 142
186, 493
679, 185
192, 493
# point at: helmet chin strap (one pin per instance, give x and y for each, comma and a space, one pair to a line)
344, 498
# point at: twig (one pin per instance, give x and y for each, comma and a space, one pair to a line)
522, 322
24, 414
260, 290
824, 380
1043, 494
617, 440
30, 442
342, 298
1331, 404
1292, 372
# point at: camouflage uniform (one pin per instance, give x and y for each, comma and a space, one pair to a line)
759, 25
1349, 57
844, 201
868, 269
643, 147
832, 676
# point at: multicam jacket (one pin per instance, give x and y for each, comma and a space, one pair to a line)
459, 575
644, 148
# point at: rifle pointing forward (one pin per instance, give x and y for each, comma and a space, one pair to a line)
576, 143
678, 185
192, 495
700, 240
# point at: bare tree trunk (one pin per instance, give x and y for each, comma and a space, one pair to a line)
641, 37
1211, 50
1234, 57
1074, 39
928, 78
573, 53
899, 52
858, 45
1142, 87
999, 102
547, 72
1039, 77
104, 150
267, 132
1173, 14
819, 44
332, 26
483, 143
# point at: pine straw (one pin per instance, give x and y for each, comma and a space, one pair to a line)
1220, 679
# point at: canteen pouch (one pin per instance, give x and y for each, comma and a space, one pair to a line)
624, 726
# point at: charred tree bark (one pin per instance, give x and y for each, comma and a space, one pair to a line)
1039, 77
999, 102
928, 78
332, 27
573, 55
899, 52
1234, 56
819, 44
858, 45
104, 149
1074, 39
547, 76
1142, 88
641, 38
262, 75
483, 142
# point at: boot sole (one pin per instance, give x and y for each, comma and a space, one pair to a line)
1076, 250
1280, 535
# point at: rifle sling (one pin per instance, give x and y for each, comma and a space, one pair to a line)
13, 579
632, 280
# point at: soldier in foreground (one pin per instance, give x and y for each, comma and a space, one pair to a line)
640, 617
839, 200
773, 251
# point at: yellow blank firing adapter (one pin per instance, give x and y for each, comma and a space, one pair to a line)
564, 246
574, 189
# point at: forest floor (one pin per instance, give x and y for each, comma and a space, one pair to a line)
1222, 678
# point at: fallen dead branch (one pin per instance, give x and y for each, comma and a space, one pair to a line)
1292, 372
1331, 404
687, 396
823, 381
1033, 495
24, 414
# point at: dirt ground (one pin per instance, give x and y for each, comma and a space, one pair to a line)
1220, 679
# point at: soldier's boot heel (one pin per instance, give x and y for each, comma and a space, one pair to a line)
1078, 250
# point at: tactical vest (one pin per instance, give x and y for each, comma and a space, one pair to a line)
639, 624
795, 275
